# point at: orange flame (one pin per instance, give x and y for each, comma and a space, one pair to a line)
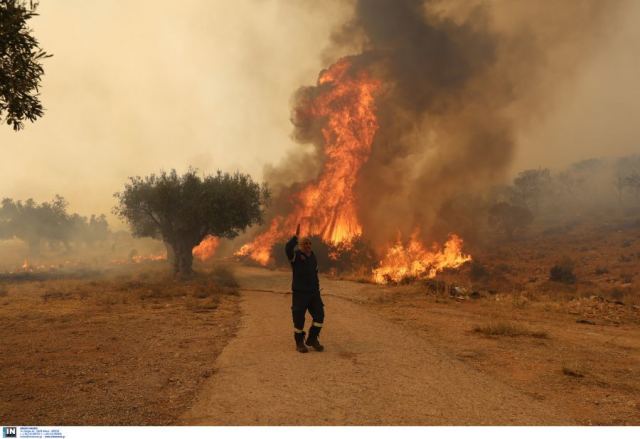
344, 102
207, 248
414, 261
137, 259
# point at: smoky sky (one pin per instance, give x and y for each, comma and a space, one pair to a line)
475, 90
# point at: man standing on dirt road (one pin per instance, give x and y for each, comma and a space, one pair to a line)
305, 288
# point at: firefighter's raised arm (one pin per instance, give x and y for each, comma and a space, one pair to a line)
290, 247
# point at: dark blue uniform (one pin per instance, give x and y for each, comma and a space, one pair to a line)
306, 289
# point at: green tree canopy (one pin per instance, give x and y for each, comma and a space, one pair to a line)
48, 222
33, 223
183, 209
20, 64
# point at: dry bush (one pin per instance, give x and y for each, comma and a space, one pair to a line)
601, 270
223, 276
144, 276
503, 268
616, 294
109, 300
56, 295
477, 270
626, 278
206, 290
168, 290
361, 274
519, 301
199, 305
356, 277
506, 329
563, 272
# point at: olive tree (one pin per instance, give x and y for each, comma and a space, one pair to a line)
529, 186
182, 210
34, 222
509, 219
20, 64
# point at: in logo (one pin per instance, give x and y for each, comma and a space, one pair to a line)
9, 432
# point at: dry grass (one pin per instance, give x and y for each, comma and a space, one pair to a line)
506, 329
130, 347
223, 276
56, 295
586, 363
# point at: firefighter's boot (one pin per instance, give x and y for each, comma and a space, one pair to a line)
312, 339
300, 347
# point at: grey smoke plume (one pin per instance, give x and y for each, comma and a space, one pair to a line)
459, 78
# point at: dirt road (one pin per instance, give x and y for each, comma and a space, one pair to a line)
372, 372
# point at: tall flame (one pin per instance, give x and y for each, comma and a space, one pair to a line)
344, 102
414, 261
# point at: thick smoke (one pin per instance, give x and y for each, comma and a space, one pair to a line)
458, 79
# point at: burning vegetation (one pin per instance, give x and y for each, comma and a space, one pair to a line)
342, 108
415, 261
343, 105
183, 210
340, 115
206, 249
412, 131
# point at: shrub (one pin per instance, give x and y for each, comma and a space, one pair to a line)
616, 294
477, 270
504, 268
626, 278
508, 330
223, 276
563, 272
510, 219
601, 270
356, 255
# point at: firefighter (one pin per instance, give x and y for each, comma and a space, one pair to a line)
305, 288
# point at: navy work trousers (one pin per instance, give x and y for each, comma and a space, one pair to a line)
300, 303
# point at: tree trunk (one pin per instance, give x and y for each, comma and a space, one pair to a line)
183, 259
171, 255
